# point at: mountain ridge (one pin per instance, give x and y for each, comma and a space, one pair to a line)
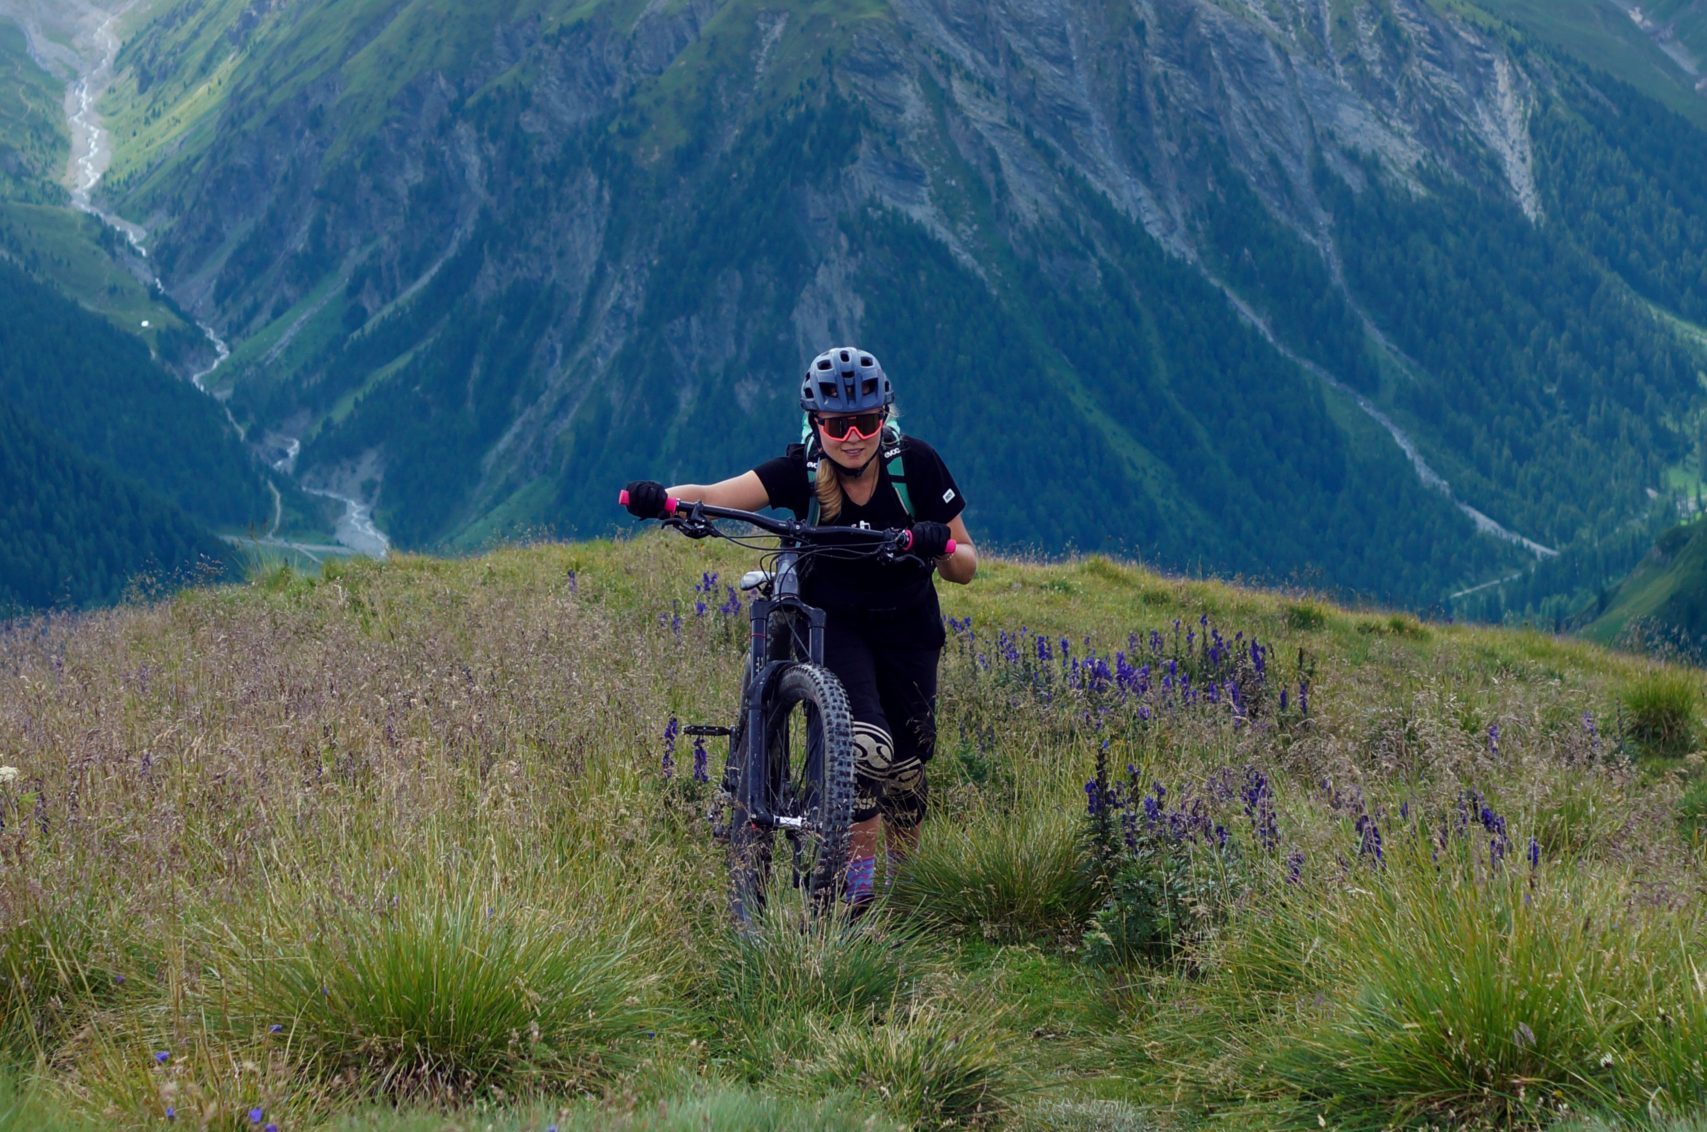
631, 138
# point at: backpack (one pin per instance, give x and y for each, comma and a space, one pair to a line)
890, 454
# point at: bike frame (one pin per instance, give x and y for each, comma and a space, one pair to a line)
783, 598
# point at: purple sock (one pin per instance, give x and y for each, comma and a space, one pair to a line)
860, 872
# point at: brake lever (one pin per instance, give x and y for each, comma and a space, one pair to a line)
687, 519
692, 526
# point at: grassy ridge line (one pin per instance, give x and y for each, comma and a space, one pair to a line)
314, 804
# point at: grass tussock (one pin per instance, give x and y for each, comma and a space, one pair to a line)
1660, 709
60, 962
444, 993
776, 986
1008, 878
932, 1068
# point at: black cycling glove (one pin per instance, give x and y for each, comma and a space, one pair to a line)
930, 540
646, 499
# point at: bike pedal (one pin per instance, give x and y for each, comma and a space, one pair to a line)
706, 729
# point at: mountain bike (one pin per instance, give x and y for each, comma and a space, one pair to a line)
789, 771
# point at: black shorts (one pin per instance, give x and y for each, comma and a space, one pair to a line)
892, 696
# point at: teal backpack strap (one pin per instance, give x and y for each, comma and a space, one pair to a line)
897, 469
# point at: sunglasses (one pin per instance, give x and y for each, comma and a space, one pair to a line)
864, 426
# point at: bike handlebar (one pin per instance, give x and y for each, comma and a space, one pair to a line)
786, 528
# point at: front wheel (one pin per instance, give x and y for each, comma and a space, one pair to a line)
806, 752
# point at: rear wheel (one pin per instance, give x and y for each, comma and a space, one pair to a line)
809, 754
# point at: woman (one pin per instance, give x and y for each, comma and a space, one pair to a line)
883, 631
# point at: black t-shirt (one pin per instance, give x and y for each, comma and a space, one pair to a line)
898, 595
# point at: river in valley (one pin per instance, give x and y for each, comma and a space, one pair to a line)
91, 155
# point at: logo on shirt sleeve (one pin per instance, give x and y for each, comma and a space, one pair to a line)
948, 496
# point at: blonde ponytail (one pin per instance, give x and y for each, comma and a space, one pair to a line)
828, 488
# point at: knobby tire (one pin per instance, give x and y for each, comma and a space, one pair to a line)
816, 785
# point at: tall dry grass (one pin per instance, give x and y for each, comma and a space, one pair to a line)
402, 834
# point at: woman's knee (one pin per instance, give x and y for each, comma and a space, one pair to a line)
888, 780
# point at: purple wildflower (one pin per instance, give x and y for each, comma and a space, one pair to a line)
1534, 853
1294, 867
256, 1115
699, 754
161, 1057
1493, 738
1369, 838
671, 730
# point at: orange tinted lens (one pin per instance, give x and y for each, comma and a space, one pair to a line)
865, 424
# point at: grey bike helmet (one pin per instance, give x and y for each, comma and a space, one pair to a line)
845, 379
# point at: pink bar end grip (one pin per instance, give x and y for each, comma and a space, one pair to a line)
670, 505
947, 551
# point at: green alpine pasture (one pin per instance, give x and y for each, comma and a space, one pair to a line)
34, 144
1607, 37
404, 846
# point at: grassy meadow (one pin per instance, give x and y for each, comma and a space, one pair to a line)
402, 847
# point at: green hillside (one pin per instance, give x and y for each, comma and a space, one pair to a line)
1605, 36
1663, 603
73, 533
34, 144
409, 842
97, 389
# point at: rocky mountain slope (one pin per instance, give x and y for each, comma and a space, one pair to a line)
1292, 288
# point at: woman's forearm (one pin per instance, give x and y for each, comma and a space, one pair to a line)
961, 565
745, 492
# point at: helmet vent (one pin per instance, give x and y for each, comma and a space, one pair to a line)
846, 357
823, 363
866, 360
827, 389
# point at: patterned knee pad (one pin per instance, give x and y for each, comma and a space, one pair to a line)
884, 782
